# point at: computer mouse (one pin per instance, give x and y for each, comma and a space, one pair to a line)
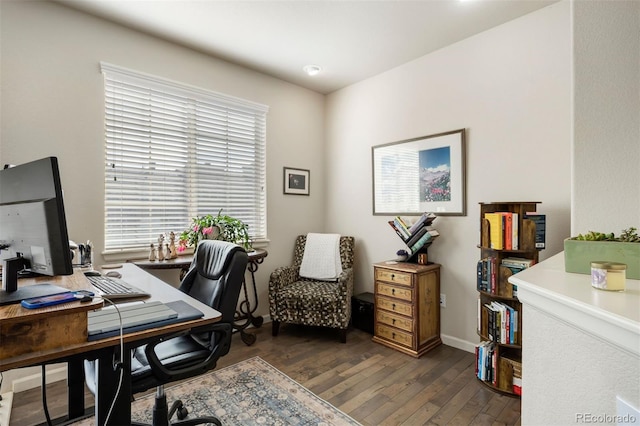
114, 274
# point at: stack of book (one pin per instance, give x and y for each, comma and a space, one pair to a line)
416, 235
486, 362
498, 322
488, 273
503, 230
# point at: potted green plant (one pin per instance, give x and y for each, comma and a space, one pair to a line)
220, 227
580, 251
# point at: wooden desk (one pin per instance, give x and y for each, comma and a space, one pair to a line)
244, 315
74, 349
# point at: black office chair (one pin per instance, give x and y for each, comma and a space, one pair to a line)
215, 278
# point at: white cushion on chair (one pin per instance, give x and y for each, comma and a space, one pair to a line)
321, 258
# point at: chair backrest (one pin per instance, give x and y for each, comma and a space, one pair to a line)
216, 275
346, 251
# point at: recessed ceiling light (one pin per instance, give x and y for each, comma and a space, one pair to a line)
312, 69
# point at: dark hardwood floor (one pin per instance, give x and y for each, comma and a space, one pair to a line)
373, 384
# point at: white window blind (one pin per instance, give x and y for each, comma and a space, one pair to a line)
174, 152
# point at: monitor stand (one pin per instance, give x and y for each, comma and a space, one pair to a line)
10, 270
11, 293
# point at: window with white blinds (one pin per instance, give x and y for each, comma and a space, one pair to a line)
174, 152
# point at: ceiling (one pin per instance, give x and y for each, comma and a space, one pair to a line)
350, 40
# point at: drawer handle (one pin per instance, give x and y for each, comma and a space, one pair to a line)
393, 335
393, 306
393, 276
393, 291
393, 321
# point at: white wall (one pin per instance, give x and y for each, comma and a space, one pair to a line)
588, 372
52, 104
568, 373
510, 88
606, 155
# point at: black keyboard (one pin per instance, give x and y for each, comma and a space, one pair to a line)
115, 288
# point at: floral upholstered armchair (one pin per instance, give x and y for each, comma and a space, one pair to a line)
297, 300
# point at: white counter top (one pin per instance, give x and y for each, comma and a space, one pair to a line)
611, 316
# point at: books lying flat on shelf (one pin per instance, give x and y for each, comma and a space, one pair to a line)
518, 262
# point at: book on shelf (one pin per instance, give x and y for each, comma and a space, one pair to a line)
518, 262
421, 242
540, 222
486, 362
426, 219
515, 232
395, 228
483, 275
510, 232
507, 231
498, 322
516, 367
416, 236
422, 233
434, 233
503, 230
401, 226
496, 232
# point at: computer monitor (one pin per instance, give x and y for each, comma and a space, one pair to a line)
33, 228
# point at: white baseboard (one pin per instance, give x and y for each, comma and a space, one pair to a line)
458, 343
5, 408
446, 339
35, 380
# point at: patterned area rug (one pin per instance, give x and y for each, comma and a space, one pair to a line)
251, 392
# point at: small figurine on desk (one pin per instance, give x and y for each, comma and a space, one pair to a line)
173, 253
152, 252
161, 247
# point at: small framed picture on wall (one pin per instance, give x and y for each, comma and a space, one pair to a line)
296, 181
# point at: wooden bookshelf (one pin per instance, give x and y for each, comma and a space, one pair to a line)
500, 316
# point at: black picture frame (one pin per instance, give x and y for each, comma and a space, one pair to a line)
296, 181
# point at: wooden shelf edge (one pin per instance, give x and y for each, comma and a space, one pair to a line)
505, 345
497, 296
498, 390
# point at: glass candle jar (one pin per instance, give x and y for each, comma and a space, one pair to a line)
608, 275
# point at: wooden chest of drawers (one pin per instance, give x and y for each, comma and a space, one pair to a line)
407, 306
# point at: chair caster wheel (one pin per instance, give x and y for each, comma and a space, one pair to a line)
182, 413
179, 409
248, 338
